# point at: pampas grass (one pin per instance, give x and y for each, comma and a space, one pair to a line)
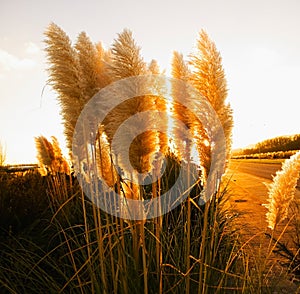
126, 58
105, 167
167, 253
64, 77
158, 88
76, 73
83, 249
50, 157
181, 72
282, 191
127, 62
208, 78
92, 66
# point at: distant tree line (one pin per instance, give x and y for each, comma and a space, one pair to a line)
281, 143
268, 155
276, 148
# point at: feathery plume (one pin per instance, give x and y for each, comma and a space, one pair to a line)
45, 152
153, 67
93, 68
282, 190
127, 62
103, 63
64, 77
50, 157
126, 59
59, 164
93, 62
209, 78
76, 74
198, 137
105, 167
158, 88
180, 91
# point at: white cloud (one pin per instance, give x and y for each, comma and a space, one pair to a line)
11, 62
31, 48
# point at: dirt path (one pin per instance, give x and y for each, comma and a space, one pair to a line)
248, 192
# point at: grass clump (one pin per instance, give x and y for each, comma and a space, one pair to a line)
75, 247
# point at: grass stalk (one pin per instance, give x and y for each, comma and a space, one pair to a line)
188, 224
202, 250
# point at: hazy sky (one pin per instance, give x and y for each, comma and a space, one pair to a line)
259, 41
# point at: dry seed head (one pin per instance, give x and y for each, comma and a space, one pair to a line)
159, 91
282, 190
64, 77
92, 66
153, 67
180, 92
126, 59
105, 168
127, 62
50, 157
181, 71
60, 164
208, 78
45, 151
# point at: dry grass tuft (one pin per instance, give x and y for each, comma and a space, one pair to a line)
65, 77
2, 154
208, 77
50, 157
282, 190
76, 73
127, 62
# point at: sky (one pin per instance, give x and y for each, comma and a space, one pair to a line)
259, 41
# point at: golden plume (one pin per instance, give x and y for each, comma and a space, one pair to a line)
282, 190
181, 114
64, 77
157, 87
76, 74
92, 65
208, 78
50, 157
127, 62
